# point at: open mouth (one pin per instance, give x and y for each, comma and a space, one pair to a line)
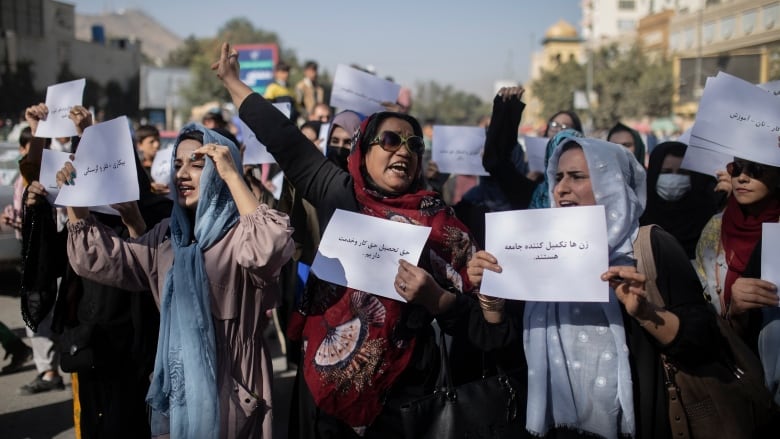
400, 168
185, 190
567, 203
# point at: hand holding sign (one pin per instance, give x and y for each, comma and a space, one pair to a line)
362, 252
60, 99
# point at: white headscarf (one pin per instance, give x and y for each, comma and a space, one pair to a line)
579, 376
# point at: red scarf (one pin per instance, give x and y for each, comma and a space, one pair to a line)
356, 344
739, 234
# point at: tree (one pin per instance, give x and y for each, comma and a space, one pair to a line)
555, 88
199, 54
626, 83
447, 105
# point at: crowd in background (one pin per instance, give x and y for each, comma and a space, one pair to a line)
160, 313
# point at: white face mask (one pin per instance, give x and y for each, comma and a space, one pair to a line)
672, 187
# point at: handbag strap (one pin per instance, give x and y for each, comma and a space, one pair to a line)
645, 264
444, 380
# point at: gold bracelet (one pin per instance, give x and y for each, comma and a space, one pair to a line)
491, 304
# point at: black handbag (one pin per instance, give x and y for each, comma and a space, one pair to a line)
76, 353
487, 408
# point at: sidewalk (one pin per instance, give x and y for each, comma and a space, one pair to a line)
50, 414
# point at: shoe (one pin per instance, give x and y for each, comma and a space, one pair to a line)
39, 385
20, 354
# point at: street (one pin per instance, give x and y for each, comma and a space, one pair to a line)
50, 414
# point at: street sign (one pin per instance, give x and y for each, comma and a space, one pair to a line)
257, 64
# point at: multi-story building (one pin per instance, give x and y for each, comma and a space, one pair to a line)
617, 21
741, 37
42, 32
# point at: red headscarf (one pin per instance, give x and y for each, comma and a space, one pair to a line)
357, 344
739, 235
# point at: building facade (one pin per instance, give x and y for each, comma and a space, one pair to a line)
42, 33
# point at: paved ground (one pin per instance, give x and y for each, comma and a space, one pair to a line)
50, 415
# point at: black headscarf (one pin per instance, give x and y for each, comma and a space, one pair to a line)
686, 217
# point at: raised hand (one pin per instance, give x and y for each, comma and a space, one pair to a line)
222, 159
226, 66
81, 117
35, 114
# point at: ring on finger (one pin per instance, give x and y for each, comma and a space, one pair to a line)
402, 286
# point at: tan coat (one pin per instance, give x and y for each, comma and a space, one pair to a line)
243, 270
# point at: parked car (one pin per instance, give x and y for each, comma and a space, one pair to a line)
10, 246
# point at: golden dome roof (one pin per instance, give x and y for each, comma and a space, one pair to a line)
561, 29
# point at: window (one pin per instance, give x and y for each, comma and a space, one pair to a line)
675, 41
727, 27
708, 31
626, 25
688, 38
749, 21
771, 13
626, 5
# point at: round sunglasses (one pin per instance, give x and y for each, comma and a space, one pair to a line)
391, 141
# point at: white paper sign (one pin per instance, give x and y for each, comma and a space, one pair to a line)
105, 167
360, 91
535, 149
60, 98
362, 252
772, 87
51, 163
255, 153
741, 117
277, 181
705, 161
161, 166
770, 252
323, 136
458, 149
548, 255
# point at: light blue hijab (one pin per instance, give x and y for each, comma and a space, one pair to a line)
184, 381
579, 376
541, 196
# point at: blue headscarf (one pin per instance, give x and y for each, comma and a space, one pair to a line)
579, 376
184, 381
540, 199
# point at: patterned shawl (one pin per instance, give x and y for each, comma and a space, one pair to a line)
356, 345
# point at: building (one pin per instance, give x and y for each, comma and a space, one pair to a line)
617, 21
653, 33
740, 37
42, 32
561, 44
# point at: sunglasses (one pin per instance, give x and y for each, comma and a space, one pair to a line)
391, 142
752, 170
555, 124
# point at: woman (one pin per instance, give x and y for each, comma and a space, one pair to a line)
679, 201
212, 269
630, 139
340, 135
394, 359
603, 388
729, 238
562, 120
